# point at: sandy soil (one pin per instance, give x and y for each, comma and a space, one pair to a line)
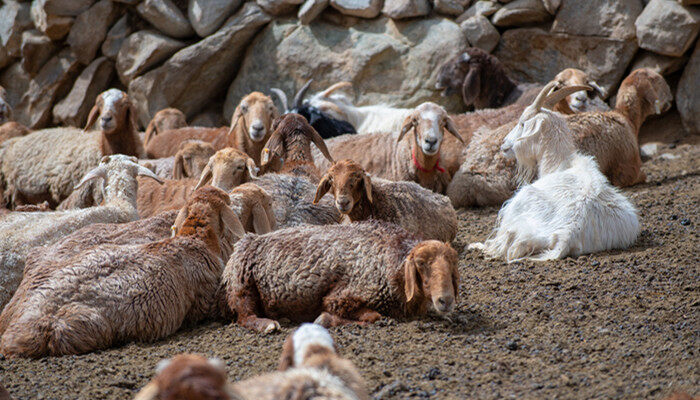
622, 324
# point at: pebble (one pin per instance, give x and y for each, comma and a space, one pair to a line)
685, 222
512, 345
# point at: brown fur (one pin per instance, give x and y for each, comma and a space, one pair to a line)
165, 119
166, 144
188, 377
12, 129
124, 138
253, 205
305, 273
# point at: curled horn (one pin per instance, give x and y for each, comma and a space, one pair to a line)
335, 87
318, 141
143, 171
601, 92
98, 172
561, 94
301, 93
283, 98
542, 95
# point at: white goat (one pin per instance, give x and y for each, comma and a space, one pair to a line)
571, 209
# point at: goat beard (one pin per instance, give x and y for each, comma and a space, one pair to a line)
526, 172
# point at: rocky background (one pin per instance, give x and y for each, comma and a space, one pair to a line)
202, 56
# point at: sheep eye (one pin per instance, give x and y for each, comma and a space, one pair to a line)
244, 107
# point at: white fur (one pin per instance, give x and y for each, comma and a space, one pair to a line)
306, 335
570, 210
110, 98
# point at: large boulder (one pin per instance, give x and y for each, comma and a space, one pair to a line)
74, 108
115, 37
664, 65
387, 61
480, 33
55, 26
450, 7
688, 95
278, 7
52, 82
481, 7
206, 16
166, 17
310, 10
197, 73
668, 28
37, 48
142, 50
65, 7
14, 19
611, 18
521, 12
15, 80
398, 9
533, 55
358, 8
90, 28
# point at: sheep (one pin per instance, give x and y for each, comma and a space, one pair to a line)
415, 209
414, 159
45, 165
338, 274
253, 206
164, 120
309, 367
571, 209
188, 162
21, 231
250, 129
485, 178
12, 129
482, 81
112, 294
325, 125
225, 170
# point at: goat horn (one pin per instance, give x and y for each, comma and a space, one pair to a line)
561, 94
601, 92
143, 171
283, 98
542, 95
337, 86
301, 93
318, 141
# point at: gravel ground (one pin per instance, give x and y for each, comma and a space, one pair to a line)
621, 324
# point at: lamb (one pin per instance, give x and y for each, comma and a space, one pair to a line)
309, 367
325, 125
571, 209
164, 120
253, 206
21, 231
485, 178
225, 170
415, 159
47, 164
112, 294
338, 274
482, 81
406, 204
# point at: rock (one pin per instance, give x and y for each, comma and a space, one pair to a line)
551, 6
648, 151
688, 96
310, 10
398, 9
197, 73
52, 81
485, 8
166, 17
664, 65
90, 28
129, 2
286, 55
666, 27
206, 16
209, 119
5, 58
115, 37
276, 7
533, 55
450, 7
15, 80
521, 12
37, 48
612, 18
142, 50
358, 8
69, 8
74, 108
480, 33
14, 19
55, 27
690, 2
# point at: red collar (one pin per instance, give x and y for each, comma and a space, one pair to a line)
436, 167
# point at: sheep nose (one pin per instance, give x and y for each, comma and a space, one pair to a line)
106, 118
444, 302
430, 141
343, 203
258, 126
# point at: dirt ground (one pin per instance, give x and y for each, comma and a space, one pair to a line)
621, 324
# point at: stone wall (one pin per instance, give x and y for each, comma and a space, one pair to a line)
201, 56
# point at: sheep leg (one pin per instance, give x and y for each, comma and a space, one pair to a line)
245, 304
340, 310
362, 317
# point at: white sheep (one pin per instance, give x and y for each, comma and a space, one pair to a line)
571, 209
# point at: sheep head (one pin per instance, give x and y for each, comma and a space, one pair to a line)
191, 158
427, 122
228, 168
5, 108
255, 113
292, 131
116, 112
348, 183
646, 88
165, 119
431, 276
260, 203
304, 342
452, 73
578, 101
332, 101
188, 377
115, 165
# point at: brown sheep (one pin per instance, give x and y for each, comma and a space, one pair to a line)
113, 294
12, 129
165, 144
407, 204
338, 274
164, 120
253, 205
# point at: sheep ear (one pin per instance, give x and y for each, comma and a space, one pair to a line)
252, 168
287, 356
179, 167
261, 220
206, 176
472, 85
237, 115
323, 187
455, 282
408, 124
149, 392
179, 220
410, 277
452, 128
92, 117
367, 181
98, 172
231, 222
150, 132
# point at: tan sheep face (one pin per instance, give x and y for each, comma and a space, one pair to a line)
113, 105
195, 156
258, 111
581, 100
652, 88
348, 183
431, 270
189, 377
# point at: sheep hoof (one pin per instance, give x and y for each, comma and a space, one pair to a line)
476, 246
273, 326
